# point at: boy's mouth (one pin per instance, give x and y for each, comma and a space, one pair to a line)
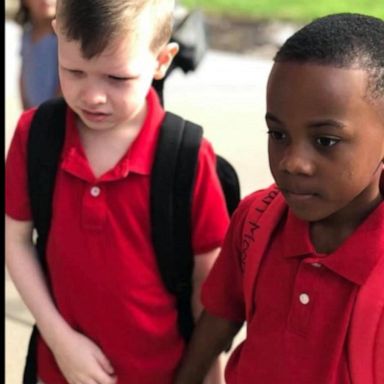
298, 193
94, 115
298, 196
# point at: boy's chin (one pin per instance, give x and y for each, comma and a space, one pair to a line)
309, 214
305, 207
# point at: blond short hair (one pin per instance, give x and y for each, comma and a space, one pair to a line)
95, 23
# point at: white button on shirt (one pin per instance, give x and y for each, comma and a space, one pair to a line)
95, 191
316, 265
304, 298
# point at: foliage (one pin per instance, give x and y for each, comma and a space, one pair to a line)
294, 10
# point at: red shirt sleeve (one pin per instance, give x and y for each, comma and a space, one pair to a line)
16, 186
209, 213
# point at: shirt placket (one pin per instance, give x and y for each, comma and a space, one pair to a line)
304, 297
94, 207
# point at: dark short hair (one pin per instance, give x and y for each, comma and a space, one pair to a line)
345, 40
95, 23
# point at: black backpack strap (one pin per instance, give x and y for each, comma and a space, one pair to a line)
172, 181
230, 183
45, 142
30, 368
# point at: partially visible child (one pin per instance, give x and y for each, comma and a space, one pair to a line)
102, 310
303, 261
39, 78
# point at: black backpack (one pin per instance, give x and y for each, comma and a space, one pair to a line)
172, 180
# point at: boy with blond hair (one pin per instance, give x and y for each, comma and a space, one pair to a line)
102, 311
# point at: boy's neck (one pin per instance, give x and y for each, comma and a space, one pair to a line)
327, 239
328, 234
105, 148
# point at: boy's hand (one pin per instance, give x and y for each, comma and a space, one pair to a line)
82, 361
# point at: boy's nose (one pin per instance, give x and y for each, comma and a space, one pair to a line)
93, 95
296, 161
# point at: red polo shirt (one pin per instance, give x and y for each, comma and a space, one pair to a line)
303, 300
101, 262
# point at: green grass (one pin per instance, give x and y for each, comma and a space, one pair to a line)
296, 10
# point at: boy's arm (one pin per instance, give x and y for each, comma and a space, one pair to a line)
202, 265
211, 336
28, 277
77, 356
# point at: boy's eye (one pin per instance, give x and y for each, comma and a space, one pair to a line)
75, 72
327, 141
120, 78
276, 135
117, 78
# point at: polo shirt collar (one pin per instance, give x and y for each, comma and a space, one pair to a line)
140, 155
138, 158
359, 254
354, 259
296, 240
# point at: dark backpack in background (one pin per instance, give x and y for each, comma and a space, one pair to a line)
191, 35
172, 181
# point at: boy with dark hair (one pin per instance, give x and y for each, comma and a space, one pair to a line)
303, 261
103, 313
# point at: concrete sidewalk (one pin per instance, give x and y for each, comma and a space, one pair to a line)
226, 95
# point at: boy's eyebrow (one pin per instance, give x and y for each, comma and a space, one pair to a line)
326, 122
270, 116
124, 72
314, 124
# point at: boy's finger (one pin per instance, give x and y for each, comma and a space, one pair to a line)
103, 377
105, 364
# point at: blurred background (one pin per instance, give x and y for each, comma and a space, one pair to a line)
225, 93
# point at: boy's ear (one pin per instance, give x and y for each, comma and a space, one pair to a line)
164, 59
